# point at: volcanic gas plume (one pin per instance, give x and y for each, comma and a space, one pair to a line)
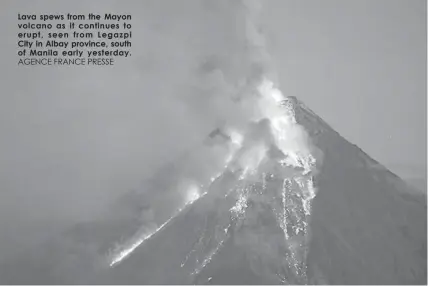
271, 144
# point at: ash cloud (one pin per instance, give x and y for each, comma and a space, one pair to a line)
76, 140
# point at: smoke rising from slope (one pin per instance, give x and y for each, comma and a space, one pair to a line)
82, 138
73, 140
266, 96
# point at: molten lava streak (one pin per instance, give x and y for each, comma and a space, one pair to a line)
290, 201
123, 251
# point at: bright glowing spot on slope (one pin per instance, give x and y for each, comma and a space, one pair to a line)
228, 160
139, 238
236, 137
127, 251
192, 194
215, 177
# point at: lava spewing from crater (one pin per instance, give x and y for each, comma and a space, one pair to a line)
284, 184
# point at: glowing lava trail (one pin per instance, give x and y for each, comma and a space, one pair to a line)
121, 252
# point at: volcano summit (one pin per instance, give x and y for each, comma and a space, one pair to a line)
295, 203
289, 201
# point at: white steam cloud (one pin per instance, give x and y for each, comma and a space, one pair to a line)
81, 139
261, 97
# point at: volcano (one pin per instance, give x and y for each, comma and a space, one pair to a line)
277, 213
289, 201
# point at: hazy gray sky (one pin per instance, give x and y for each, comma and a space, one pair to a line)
361, 65
72, 139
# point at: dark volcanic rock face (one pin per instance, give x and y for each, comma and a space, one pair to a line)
317, 212
346, 221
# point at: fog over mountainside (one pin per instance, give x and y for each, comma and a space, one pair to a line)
343, 218
262, 191
360, 225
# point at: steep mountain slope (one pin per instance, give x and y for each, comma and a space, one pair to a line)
336, 217
286, 201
